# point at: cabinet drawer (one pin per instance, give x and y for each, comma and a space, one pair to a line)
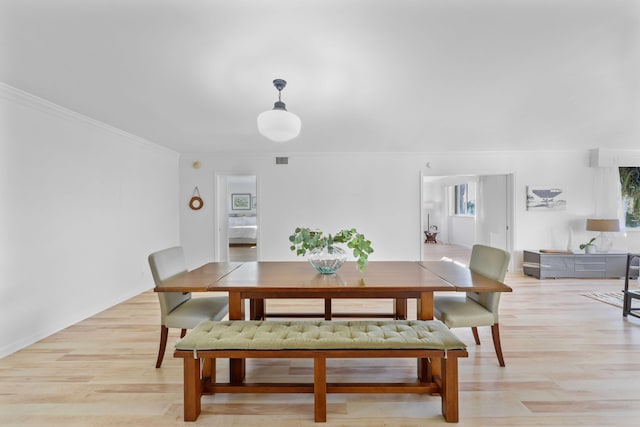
557, 263
557, 266
590, 259
591, 263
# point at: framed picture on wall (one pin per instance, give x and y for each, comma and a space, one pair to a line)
545, 198
240, 202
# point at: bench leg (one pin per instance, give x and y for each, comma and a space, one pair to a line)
320, 389
449, 388
192, 389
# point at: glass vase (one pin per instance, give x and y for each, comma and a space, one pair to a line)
327, 260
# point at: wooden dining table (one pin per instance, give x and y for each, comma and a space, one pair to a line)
257, 281
263, 280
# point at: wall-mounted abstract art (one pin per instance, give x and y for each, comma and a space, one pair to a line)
545, 199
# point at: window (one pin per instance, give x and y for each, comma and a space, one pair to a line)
630, 184
464, 198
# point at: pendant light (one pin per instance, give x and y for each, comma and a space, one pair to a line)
278, 124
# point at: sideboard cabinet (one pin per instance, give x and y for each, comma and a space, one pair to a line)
575, 265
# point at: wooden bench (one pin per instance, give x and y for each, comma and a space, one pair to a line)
431, 342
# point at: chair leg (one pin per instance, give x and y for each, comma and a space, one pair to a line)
475, 335
495, 332
183, 333
164, 331
626, 304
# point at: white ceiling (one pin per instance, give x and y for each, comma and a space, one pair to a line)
363, 75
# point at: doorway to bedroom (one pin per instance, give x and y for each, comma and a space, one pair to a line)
242, 217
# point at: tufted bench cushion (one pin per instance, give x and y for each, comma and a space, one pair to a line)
434, 346
282, 335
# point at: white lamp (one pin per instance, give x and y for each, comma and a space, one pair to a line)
279, 125
603, 226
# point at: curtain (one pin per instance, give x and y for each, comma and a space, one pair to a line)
608, 194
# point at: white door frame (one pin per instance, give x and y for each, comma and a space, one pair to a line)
221, 219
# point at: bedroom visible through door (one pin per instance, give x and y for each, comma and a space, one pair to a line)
242, 216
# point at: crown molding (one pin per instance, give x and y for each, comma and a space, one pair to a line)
27, 99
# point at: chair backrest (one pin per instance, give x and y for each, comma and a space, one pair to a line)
164, 265
492, 263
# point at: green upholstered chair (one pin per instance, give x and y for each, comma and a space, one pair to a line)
178, 309
477, 309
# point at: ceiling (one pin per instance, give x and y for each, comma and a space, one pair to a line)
363, 75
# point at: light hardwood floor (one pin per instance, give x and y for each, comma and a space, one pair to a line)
243, 253
571, 361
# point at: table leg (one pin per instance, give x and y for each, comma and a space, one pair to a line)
236, 312
236, 306
256, 309
400, 308
425, 370
327, 309
424, 306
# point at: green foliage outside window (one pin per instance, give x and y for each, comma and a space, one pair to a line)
630, 182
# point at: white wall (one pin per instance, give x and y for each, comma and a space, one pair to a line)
82, 205
379, 193
376, 194
462, 230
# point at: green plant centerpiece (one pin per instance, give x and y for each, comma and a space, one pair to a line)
322, 251
589, 247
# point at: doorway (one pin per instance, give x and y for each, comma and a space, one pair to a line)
492, 220
237, 217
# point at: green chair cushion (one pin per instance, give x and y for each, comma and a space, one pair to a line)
460, 312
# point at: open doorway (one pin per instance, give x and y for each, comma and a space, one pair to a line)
463, 210
237, 217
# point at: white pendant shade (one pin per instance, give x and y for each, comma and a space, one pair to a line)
279, 125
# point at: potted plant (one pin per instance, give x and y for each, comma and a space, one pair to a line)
324, 255
589, 247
